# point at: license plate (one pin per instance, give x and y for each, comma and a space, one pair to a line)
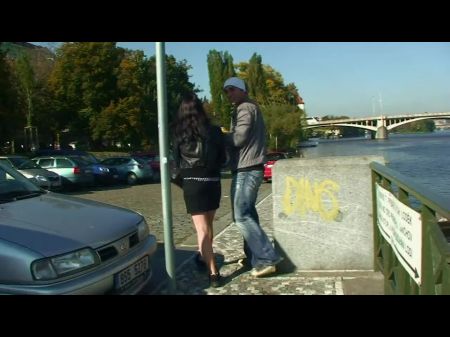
129, 274
116, 176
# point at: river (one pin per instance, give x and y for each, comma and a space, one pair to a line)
424, 157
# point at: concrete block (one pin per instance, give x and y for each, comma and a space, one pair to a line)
322, 212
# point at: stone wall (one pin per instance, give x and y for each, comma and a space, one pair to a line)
322, 211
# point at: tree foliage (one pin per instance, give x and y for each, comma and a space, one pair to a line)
256, 80
27, 82
283, 126
10, 119
220, 67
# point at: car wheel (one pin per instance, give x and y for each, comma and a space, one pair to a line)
156, 176
131, 179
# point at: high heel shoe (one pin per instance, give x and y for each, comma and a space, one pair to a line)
215, 280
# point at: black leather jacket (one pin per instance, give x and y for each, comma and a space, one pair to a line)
206, 153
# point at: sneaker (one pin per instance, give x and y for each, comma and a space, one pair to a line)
201, 265
266, 270
215, 280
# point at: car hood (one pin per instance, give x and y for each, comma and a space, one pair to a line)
54, 224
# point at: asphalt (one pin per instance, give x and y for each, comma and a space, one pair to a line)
238, 280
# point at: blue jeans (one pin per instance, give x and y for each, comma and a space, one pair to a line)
244, 190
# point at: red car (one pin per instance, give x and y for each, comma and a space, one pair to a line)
272, 157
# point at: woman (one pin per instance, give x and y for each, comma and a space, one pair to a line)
199, 153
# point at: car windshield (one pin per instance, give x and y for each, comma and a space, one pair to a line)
23, 163
14, 186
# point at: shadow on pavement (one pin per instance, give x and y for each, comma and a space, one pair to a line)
189, 279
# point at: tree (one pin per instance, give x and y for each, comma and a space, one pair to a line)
256, 81
283, 125
27, 82
83, 83
10, 120
220, 67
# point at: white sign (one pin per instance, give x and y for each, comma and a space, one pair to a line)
401, 226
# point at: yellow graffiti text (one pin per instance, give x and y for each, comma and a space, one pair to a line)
301, 196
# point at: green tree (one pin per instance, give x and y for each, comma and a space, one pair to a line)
220, 67
27, 82
256, 81
83, 83
283, 124
11, 121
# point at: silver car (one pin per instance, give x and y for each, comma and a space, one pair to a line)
73, 171
130, 169
56, 244
44, 178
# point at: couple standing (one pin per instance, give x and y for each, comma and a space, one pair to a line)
199, 150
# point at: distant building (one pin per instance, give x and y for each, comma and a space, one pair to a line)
442, 124
300, 102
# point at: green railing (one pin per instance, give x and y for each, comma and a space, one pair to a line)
434, 248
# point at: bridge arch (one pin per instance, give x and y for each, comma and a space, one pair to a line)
396, 125
379, 125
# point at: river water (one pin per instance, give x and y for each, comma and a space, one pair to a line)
424, 157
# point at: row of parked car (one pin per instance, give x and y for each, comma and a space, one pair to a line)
54, 169
52, 243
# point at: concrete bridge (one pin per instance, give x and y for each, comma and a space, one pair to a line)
379, 125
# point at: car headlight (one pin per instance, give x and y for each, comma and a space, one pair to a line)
59, 266
143, 230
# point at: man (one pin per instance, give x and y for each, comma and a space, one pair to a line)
247, 143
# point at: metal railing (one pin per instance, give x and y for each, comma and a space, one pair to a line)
434, 247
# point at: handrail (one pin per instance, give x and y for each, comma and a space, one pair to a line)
433, 276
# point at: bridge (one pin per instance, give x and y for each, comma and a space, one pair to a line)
379, 125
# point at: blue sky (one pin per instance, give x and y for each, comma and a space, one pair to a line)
339, 78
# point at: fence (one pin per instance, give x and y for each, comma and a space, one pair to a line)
411, 234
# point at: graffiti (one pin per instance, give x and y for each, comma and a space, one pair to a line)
301, 196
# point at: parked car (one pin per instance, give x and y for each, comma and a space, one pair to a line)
271, 158
73, 171
154, 161
102, 174
130, 169
64, 152
40, 176
67, 245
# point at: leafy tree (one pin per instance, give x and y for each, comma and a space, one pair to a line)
27, 82
83, 83
256, 82
283, 124
10, 120
220, 67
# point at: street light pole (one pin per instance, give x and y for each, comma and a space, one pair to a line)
164, 155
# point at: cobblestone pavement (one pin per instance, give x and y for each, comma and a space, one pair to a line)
228, 243
146, 199
238, 281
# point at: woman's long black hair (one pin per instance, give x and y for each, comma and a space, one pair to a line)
191, 120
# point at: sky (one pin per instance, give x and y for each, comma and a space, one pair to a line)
355, 79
